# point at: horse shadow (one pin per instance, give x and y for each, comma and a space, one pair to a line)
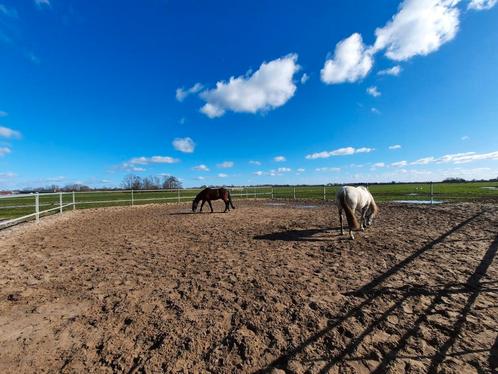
298, 235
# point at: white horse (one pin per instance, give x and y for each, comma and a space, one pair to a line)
351, 199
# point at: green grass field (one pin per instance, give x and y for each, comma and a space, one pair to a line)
19, 206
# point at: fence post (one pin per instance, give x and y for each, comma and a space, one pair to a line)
132, 199
60, 202
247, 192
324, 192
255, 193
74, 201
178, 193
432, 193
294, 193
37, 207
272, 192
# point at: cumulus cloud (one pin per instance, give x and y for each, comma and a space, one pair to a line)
258, 173
339, 152
222, 175
419, 28
379, 165
4, 151
394, 71
279, 159
373, 91
351, 62
201, 167
269, 87
394, 147
185, 145
304, 78
482, 4
375, 110
5, 132
226, 165
182, 93
254, 162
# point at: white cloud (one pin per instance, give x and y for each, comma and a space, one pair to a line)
462, 158
185, 145
131, 165
373, 91
4, 151
269, 87
351, 62
395, 146
5, 132
304, 78
226, 165
419, 28
258, 173
399, 164
465, 137
222, 175
328, 169
375, 110
423, 161
8, 175
482, 4
201, 167
379, 165
279, 159
300, 170
283, 170
254, 162
339, 152
200, 178
394, 71
181, 93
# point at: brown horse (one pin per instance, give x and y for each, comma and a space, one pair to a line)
209, 194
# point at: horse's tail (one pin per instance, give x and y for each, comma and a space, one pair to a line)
352, 221
230, 199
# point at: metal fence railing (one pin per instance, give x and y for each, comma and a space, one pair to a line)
24, 207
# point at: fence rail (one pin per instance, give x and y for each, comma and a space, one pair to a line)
23, 207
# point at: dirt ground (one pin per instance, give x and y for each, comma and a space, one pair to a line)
264, 288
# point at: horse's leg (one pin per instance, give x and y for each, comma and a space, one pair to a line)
363, 214
209, 202
227, 208
202, 204
340, 220
351, 235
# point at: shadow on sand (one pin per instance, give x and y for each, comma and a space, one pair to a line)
473, 287
301, 235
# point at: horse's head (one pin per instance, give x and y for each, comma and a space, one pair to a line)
372, 212
194, 205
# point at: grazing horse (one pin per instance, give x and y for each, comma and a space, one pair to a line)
351, 199
209, 194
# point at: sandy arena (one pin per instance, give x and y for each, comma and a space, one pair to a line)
265, 288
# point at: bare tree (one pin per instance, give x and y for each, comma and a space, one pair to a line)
132, 182
172, 182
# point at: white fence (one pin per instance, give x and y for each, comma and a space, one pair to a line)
59, 201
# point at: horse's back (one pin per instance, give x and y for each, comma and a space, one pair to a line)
353, 196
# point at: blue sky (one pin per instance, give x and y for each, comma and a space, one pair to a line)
256, 92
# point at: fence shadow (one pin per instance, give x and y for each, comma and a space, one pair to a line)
371, 293
298, 235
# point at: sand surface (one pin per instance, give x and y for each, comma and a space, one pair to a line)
270, 288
